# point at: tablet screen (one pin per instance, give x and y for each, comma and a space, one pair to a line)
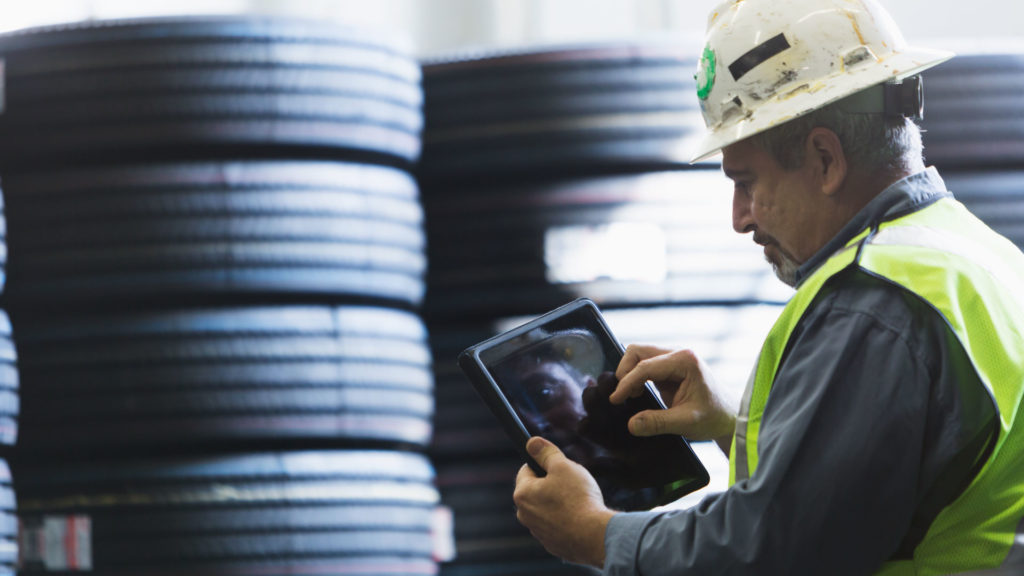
557, 377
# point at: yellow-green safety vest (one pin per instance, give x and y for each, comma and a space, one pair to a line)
975, 279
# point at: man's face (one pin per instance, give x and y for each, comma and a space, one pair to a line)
556, 394
778, 206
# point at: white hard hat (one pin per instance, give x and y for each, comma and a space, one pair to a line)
769, 61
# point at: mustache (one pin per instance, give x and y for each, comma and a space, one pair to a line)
763, 239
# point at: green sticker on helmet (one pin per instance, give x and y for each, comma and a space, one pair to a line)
705, 75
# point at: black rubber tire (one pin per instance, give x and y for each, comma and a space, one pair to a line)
465, 429
190, 379
177, 138
97, 121
480, 496
3, 245
973, 114
219, 514
202, 41
552, 150
238, 228
587, 103
8, 522
501, 251
216, 78
551, 112
10, 402
325, 108
513, 73
333, 229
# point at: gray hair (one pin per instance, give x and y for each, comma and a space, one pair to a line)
871, 142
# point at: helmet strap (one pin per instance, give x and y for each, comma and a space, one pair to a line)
891, 99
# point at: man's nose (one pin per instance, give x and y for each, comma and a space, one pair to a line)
742, 219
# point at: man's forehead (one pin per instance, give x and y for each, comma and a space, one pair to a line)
744, 158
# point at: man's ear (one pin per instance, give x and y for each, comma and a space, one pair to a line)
826, 157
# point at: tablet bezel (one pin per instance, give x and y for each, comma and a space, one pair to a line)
473, 364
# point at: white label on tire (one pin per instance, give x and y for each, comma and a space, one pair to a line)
55, 542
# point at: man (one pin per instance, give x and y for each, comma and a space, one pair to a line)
552, 374
880, 429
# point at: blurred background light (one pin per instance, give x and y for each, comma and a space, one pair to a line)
437, 26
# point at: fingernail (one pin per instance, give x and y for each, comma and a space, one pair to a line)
533, 447
637, 425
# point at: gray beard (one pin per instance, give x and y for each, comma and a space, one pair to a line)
785, 270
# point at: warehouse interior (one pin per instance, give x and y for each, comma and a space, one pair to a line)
246, 241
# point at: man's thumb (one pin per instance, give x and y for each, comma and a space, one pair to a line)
543, 451
648, 423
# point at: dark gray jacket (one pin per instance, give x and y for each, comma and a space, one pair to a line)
876, 420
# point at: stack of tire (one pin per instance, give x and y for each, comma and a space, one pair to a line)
9, 414
216, 267
558, 174
974, 133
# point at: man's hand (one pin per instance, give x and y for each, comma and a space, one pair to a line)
694, 409
564, 510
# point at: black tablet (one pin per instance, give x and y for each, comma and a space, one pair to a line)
552, 377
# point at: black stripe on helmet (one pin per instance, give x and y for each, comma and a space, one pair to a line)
757, 55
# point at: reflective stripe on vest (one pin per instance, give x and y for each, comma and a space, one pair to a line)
975, 280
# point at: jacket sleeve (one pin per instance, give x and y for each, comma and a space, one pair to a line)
848, 445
